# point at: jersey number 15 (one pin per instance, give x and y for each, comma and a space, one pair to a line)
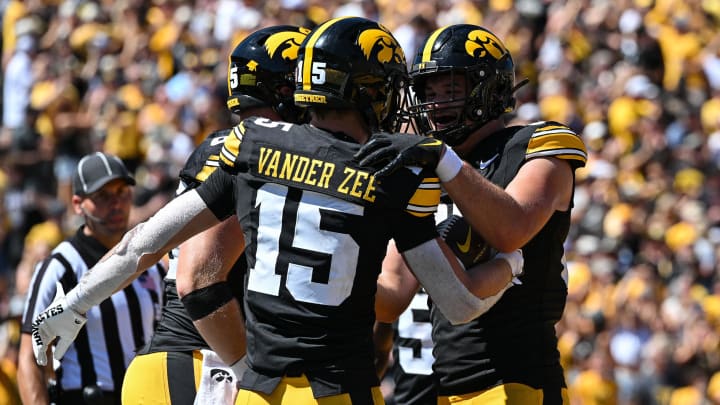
284, 227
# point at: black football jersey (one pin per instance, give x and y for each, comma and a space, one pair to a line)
175, 330
515, 340
412, 353
316, 227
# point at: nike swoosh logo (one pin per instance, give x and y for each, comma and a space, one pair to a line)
485, 163
465, 247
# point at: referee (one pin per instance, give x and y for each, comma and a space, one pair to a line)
92, 370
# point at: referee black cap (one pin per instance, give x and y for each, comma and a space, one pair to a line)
96, 170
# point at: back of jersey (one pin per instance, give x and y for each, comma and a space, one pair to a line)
317, 228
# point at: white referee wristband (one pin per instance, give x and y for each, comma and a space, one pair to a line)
449, 165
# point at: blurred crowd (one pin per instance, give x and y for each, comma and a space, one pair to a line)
638, 79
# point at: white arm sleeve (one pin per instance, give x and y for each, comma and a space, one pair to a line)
455, 301
108, 275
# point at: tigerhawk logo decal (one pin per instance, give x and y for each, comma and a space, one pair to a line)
479, 43
287, 42
381, 45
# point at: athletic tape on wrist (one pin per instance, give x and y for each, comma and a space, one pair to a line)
449, 165
515, 260
204, 301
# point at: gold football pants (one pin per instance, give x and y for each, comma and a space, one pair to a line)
162, 378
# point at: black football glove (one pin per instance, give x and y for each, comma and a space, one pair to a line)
389, 152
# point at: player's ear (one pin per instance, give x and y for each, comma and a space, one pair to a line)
77, 204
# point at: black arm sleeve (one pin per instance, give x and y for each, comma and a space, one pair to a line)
410, 231
218, 192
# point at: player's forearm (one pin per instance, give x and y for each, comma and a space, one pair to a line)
396, 287
491, 211
208, 257
142, 246
383, 336
490, 277
462, 296
224, 331
444, 279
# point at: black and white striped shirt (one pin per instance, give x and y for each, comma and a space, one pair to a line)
115, 329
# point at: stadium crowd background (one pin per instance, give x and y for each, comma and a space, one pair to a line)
639, 79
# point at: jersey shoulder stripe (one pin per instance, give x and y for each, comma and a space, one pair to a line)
231, 146
557, 140
211, 164
426, 198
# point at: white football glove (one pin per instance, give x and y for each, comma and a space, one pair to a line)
56, 321
516, 261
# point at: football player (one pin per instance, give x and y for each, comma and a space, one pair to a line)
177, 364
516, 189
260, 82
316, 227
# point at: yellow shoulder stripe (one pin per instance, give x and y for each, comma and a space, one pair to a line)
212, 163
231, 146
558, 141
426, 198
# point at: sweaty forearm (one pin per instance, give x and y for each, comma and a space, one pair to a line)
208, 257
491, 211
224, 331
141, 246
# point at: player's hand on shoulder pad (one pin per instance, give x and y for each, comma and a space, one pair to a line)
516, 261
56, 321
388, 152
469, 247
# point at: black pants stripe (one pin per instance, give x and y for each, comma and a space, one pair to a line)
181, 382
